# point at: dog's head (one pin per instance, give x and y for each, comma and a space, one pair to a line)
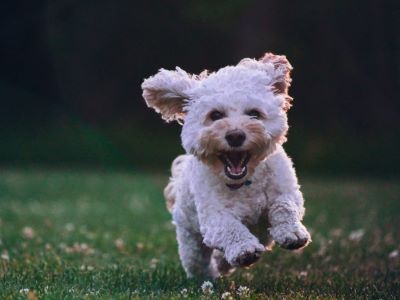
233, 118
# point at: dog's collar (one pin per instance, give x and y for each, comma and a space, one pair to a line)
233, 187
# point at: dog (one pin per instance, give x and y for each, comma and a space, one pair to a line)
235, 192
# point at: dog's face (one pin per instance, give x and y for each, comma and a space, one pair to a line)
232, 119
233, 131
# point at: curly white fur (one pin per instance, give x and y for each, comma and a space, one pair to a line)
217, 217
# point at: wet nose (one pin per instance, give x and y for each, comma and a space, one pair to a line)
235, 138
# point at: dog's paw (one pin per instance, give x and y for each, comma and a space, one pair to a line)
248, 258
245, 254
291, 237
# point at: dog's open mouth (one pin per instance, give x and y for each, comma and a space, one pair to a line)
235, 163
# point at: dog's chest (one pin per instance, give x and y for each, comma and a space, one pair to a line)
247, 204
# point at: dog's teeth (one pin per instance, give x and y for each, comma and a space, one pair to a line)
229, 169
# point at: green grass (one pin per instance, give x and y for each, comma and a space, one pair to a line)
90, 234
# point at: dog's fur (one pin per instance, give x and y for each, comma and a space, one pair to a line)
222, 221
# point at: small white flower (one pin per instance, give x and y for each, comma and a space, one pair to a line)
356, 235
119, 244
243, 291
153, 263
90, 268
70, 227
227, 296
48, 247
84, 247
28, 233
4, 255
394, 254
24, 291
94, 292
184, 293
303, 274
46, 289
136, 292
207, 288
139, 246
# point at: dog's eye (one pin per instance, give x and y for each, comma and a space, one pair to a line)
254, 114
216, 115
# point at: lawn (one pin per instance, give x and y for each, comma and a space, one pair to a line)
102, 234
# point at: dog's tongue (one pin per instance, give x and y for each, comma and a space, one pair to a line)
235, 159
236, 169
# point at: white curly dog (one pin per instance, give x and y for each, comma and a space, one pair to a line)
235, 192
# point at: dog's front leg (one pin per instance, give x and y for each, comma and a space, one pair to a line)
223, 231
285, 219
285, 204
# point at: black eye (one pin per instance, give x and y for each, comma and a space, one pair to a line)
254, 114
216, 115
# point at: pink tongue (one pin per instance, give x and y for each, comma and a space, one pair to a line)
236, 169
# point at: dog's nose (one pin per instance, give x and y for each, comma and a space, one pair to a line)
235, 138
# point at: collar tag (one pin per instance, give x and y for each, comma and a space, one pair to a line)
233, 187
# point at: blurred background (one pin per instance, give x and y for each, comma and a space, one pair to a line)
70, 76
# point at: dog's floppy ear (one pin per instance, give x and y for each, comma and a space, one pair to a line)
166, 93
282, 68
281, 76
278, 69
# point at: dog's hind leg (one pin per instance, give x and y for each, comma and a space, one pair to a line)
194, 255
170, 190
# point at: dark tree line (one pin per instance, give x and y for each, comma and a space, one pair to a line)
89, 57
